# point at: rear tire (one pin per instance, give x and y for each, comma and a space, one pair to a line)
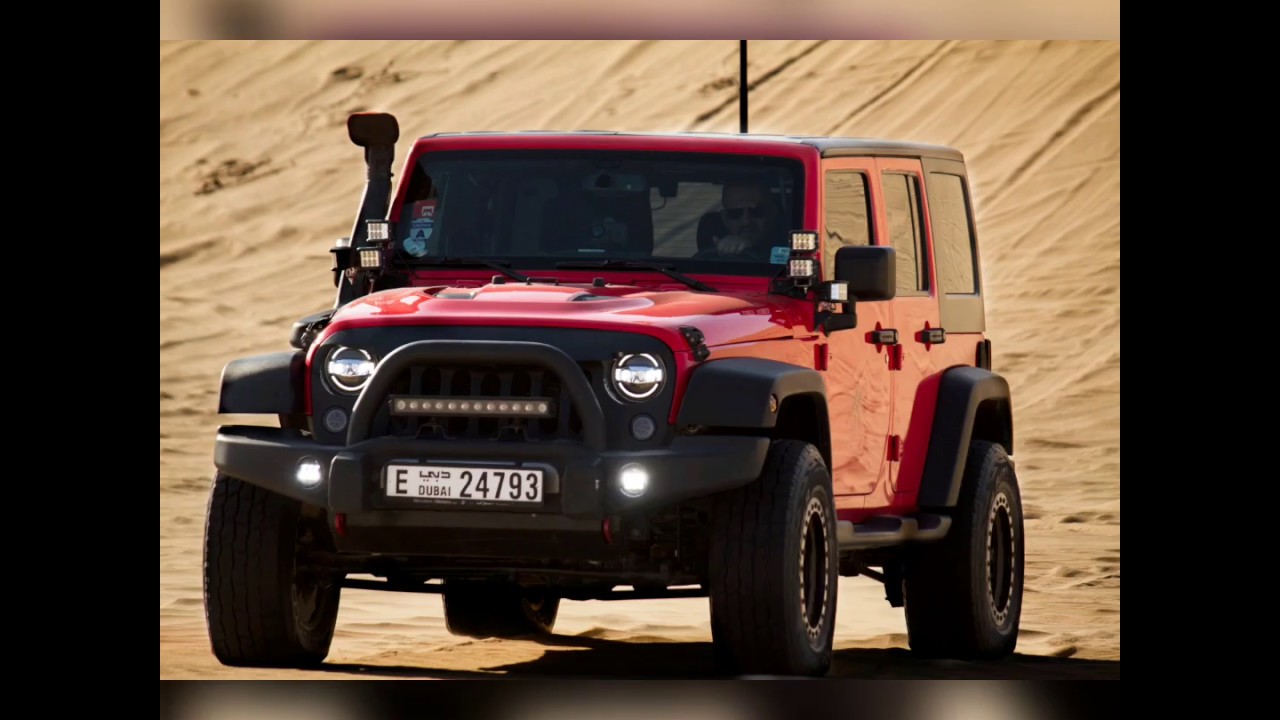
773, 568
501, 610
964, 593
262, 609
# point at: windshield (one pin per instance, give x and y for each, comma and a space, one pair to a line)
701, 213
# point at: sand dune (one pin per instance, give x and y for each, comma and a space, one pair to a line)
257, 178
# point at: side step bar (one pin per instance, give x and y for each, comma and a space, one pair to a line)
437, 588
656, 593
887, 531
362, 584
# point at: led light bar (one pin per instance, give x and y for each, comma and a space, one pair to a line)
378, 230
802, 268
370, 258
472, 406
804, 240
837, 292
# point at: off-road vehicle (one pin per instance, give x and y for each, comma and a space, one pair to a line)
598, 366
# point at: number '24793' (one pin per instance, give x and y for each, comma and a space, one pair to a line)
477, 485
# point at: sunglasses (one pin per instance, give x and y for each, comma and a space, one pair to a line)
757, 211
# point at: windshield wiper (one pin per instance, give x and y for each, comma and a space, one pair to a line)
504, 268
638, 265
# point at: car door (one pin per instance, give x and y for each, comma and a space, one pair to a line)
859, 384
915, 306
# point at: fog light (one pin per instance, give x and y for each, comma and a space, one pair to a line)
308, 475
643, 427
633, 480
335, 420
370, 258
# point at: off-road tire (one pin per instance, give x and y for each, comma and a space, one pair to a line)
501, 610
964, 593
262, 609
773, 568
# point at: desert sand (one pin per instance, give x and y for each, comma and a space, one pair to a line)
257, 178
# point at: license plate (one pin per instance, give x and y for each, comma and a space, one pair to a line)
464, 484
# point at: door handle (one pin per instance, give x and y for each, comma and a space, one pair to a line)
892, 349
932, 336
883, 337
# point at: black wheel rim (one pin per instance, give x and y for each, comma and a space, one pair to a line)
533, 605
815, 565
536, 607
1001, 559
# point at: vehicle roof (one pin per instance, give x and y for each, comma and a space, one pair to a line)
826, 146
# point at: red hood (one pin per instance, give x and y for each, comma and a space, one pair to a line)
723, 318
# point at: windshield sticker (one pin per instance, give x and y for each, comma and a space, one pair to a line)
421, 228
416, 243
779, 255
421, 225
424, 209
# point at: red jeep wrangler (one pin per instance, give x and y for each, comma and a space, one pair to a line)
605, 366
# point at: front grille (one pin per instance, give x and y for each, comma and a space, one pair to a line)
513, 382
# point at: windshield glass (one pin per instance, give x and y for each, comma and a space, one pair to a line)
700, 213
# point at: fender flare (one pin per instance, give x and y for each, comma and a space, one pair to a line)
265, 384
971, 403
735, 392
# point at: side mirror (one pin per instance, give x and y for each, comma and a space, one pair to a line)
373, 129
871, 271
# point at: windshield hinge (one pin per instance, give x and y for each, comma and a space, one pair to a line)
697, 342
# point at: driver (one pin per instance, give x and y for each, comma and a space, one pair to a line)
749, 216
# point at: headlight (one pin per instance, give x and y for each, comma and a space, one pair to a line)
350, 368
637, 377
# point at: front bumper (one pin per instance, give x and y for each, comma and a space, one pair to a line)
580, 475
581, 485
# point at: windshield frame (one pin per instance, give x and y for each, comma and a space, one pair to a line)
744, 154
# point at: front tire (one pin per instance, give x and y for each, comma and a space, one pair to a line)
964, 593
262, 607
501, 610
773, 568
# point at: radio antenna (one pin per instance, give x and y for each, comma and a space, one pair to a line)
742, 86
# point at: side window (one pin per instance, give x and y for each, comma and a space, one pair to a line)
952, 235
848, 220
902, 207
